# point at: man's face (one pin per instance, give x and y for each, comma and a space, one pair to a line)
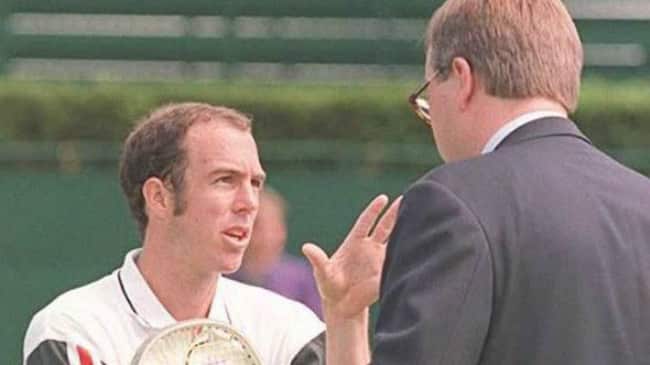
223, 179
440, 104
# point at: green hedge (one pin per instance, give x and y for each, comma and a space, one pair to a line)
613, 114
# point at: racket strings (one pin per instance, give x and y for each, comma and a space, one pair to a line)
218, 353
217, 346
201, 346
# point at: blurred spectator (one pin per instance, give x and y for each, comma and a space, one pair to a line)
266, 263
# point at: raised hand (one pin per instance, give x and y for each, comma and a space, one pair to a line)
348, 281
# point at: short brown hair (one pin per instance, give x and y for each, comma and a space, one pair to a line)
517, 48
155, 149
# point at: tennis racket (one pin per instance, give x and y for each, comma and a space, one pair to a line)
196, 342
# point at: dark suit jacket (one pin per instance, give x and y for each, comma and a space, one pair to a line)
537, 253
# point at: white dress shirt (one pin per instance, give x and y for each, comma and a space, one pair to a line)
516, 123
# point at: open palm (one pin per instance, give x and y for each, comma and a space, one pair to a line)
348, 281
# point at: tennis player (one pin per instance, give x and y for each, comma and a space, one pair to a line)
192, 177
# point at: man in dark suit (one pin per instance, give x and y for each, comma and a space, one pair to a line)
529, 246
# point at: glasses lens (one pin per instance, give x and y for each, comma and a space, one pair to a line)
421, 108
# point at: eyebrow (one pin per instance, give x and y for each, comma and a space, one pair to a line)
226, 170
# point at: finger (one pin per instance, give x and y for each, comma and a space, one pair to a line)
316, 257
368, 217
387, 222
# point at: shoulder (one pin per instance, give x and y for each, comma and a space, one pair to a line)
457, 184
76, 315
450, 202
474, 172
480, 184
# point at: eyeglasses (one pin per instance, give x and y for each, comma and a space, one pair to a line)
420, 105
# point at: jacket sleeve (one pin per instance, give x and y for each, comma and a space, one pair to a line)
436, 290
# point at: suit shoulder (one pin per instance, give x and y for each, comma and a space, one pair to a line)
470, 176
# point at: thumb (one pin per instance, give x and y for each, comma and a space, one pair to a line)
316, 257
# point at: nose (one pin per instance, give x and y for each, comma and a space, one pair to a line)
247, 199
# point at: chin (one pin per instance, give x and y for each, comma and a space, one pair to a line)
227, 271
231, 266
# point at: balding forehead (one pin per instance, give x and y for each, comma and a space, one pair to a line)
225, 132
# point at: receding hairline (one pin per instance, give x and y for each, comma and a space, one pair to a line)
193, 112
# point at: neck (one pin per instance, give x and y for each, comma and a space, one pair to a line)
499, 112
183, 292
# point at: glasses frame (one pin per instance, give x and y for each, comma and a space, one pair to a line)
419, 105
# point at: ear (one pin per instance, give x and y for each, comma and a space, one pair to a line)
157, 198
467, 81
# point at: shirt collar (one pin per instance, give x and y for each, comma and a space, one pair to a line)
146, 305
516, 123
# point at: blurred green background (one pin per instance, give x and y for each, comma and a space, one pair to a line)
326, 82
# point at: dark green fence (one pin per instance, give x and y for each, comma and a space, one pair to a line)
618, 46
